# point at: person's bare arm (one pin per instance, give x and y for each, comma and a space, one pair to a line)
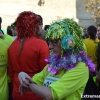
42, 91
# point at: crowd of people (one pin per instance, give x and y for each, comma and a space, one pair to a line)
54, 63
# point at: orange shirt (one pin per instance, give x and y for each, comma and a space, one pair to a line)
31, 61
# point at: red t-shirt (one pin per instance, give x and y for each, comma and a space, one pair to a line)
31, 61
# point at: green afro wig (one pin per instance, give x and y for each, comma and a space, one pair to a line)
66, 28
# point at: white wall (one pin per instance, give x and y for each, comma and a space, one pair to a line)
51, 10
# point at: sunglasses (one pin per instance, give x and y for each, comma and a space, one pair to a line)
54, 42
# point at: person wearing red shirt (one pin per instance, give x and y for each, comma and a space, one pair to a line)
27, 53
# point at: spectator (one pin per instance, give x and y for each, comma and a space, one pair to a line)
5, 42
91, 45
27, 52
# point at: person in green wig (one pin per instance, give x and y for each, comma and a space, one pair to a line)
66, 74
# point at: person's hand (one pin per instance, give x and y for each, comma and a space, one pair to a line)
1, 35
24, 79
23, 89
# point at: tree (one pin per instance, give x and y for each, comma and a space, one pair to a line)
93, 6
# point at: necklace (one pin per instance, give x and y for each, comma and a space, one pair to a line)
68, 62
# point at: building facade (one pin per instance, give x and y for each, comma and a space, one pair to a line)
50, 10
